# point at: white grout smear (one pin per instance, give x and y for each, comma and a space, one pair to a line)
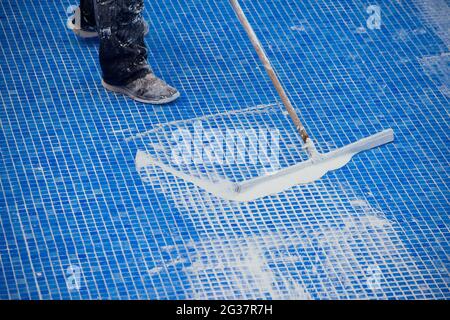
273, 184
217, 186
246, 267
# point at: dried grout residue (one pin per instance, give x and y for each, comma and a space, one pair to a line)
438, 68
436, 13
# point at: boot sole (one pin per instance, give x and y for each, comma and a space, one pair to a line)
134, 97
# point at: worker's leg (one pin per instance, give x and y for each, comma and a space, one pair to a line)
83, 23
123, 53
87, 14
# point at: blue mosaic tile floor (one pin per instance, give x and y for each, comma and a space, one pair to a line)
79, 221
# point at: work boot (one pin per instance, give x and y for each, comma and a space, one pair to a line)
85, 29
148, 89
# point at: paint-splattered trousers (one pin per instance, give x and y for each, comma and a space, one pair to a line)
123, 53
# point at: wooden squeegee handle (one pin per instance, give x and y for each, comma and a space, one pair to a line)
270, 71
